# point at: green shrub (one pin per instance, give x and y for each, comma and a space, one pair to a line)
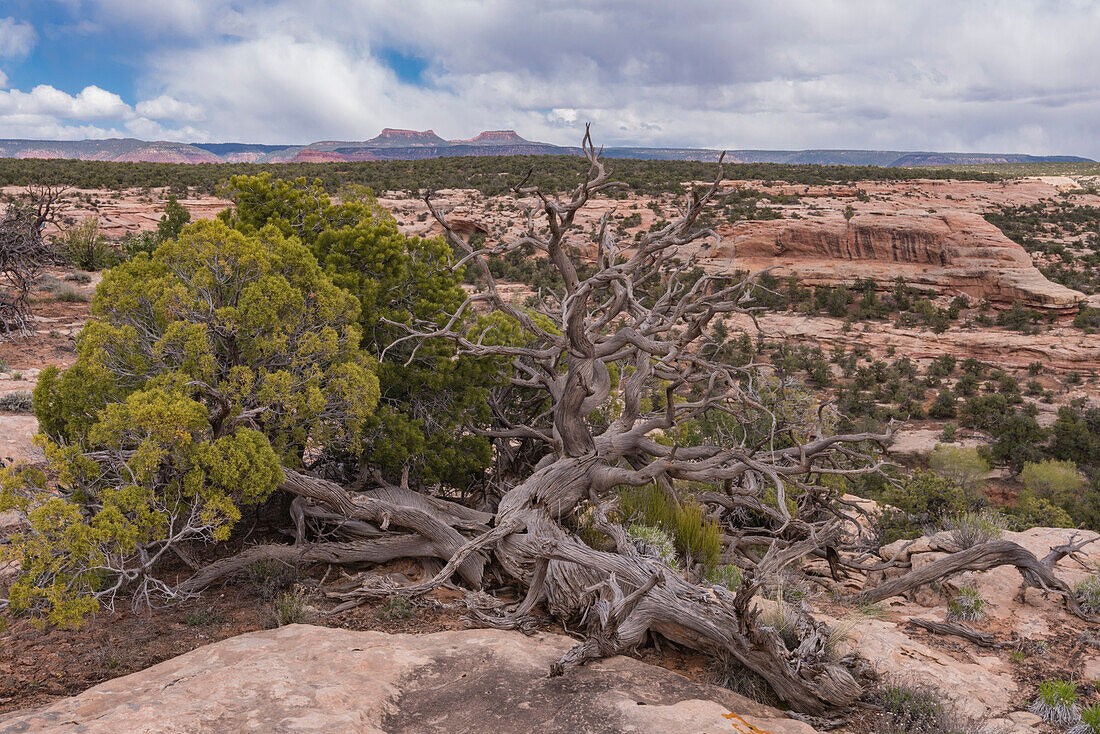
1090, 721
969, 529
655, 543
1038, 512
290, 608
921, 501
17, 402
693, 534
1057, 703
1087, 592
1057, 481
727, 575
966, 606
964, 466
396, 608
139, 243
142, 432
85, 247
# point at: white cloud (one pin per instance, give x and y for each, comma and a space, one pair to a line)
167, 108
1015, 76
16, 38
92, 103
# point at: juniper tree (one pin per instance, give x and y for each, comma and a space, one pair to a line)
204, 370
429, 397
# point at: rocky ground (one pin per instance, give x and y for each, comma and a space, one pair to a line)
303, 678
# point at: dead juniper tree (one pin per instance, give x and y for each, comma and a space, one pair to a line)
24, 253
607, 379
594, 356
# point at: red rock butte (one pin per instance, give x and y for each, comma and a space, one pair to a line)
495, 137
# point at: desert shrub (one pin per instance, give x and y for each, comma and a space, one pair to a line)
430, 394
1090, 721
1087, 592
271, 577
1057, 703
139, 243
969, 529
85, 246
202, 617
1037, 512
174, 219
966, 606
923, 500
17, 402
70, 295
726, 575
145, 431
907, 707
944, 405
964, 466
79, 277
396, 608
290, 607
1090, 638
891, 524
1088, 319
1057, 481
688, 526
655, 543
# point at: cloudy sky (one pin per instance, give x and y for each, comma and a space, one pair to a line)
947, 75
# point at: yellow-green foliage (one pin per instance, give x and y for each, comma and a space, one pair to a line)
206, 367
964, 466
1057, 481
727, 575
430, 394
687, 524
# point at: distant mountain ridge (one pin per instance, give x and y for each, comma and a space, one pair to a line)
395, 144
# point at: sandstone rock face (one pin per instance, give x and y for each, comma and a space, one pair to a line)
302, 678
954, 251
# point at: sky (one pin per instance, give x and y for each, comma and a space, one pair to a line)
1014, 76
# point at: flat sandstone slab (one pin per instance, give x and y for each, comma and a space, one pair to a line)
302, 678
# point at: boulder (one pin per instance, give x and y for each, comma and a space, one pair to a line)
302, 678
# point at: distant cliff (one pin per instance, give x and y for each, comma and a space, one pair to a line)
394, 144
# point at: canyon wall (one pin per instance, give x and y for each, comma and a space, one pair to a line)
955, 252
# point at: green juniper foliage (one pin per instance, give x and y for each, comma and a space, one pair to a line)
205, 367
398, 280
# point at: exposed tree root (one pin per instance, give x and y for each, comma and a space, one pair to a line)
982, 558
